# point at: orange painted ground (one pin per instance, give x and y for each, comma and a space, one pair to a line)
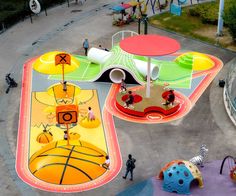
45, 161
36, 149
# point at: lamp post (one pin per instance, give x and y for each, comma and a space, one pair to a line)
220, 19
145, 20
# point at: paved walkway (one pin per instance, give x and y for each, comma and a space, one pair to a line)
152, 145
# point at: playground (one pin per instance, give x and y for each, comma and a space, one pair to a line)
57, 133
69, 125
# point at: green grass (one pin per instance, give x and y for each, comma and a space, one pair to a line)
184, 24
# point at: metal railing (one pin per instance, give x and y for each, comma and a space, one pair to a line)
117, 37
229, 95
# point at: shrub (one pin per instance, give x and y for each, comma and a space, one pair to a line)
11, 11
208, 12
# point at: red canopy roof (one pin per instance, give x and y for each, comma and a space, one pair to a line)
126, 5
149, 45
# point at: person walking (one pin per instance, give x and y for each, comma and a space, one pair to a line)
130, 165
86, 46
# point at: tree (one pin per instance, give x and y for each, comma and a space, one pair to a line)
230, 19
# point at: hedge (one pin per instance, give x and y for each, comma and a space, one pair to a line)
11, 11
230, 19
208, 12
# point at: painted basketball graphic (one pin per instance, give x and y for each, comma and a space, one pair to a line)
56, 162
44, 138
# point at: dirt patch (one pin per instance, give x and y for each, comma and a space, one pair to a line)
155, 22
225, 40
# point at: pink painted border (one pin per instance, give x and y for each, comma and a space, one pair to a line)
23, 142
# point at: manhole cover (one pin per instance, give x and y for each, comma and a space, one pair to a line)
74, 11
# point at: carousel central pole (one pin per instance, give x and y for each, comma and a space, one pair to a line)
148, 78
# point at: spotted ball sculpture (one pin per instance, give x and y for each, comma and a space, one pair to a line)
178, 175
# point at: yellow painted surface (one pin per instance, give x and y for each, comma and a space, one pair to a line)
201, 62
46, 64
41, 113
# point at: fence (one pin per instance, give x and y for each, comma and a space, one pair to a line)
230, 91
116, 38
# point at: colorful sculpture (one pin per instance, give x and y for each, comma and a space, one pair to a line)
231, 166
233, 174
195, 61
178, 175
63, 164
46, 136
199, 159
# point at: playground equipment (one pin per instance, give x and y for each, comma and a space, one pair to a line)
162, 4
100, 56
45, 137
71, 164
178, 175
144, 105
117, 37
116, 75
231, 161
74, 164
125, 13
46, 64
195, 60
152, 45
199, 159
63, 97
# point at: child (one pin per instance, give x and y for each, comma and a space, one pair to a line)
170, 98
64, 86
91, 115
123, 86
65, 135
107, 163
130, 100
